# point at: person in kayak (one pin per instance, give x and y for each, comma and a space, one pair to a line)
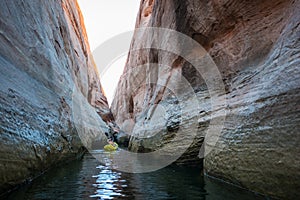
111, 146
111, 142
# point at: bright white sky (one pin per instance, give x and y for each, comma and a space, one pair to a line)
104, 19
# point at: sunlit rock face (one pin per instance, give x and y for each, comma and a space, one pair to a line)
49, 88
255, 45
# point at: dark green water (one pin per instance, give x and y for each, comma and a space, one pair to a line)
88, 179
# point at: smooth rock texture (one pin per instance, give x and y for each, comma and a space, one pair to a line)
49, 86
256, 47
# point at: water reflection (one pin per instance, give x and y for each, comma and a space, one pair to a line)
109, 184
89, 179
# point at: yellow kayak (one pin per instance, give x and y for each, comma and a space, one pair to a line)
110, 147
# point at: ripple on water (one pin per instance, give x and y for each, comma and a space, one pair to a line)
88, 179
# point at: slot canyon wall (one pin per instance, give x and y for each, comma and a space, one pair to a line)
49, 85
256, 47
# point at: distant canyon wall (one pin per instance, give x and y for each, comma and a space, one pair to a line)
256, 47
49, 88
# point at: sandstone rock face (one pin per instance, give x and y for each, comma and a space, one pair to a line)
256, 47
47, 77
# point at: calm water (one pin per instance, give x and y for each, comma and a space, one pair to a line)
88, 179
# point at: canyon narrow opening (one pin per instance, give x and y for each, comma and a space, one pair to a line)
103, 21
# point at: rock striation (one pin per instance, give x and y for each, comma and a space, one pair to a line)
256, 47
49, 85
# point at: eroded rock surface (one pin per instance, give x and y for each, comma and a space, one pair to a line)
256, 47
48, 87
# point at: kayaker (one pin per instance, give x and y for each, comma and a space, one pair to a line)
111, 146
111, 142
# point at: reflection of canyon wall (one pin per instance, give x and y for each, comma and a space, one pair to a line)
255, 45
45, 63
